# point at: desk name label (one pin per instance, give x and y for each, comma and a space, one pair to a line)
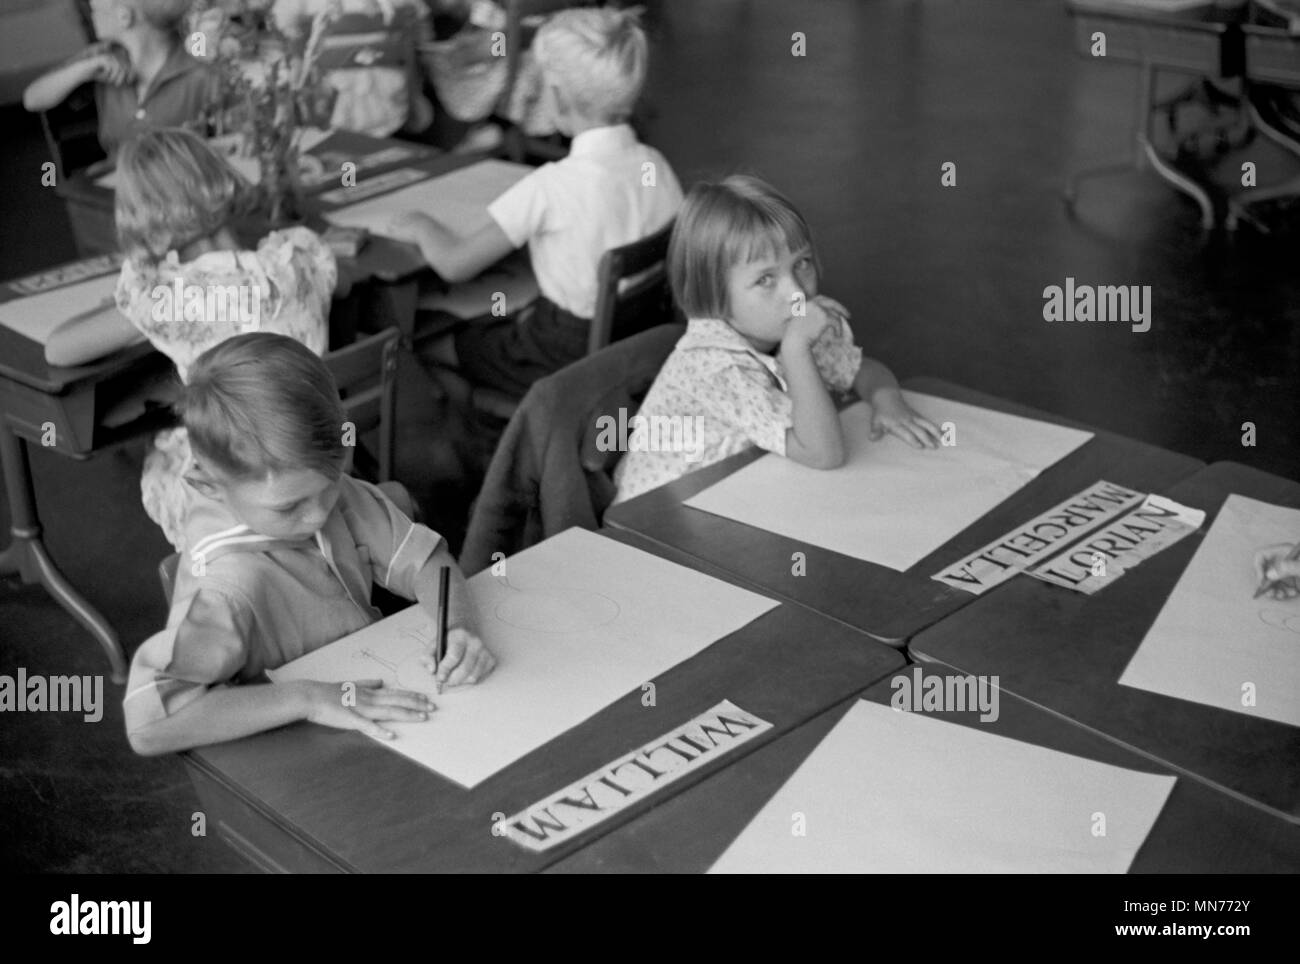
608, 791
65, 275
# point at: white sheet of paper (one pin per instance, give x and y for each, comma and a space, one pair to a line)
1212, 637
577, 622
36, 317
898, 792
889, 503
458, 200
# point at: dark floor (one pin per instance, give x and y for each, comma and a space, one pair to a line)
944, 281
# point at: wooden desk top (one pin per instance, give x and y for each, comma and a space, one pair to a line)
366, 808
339, 145
1199, 831
883, 602
1205, 16
23, 361
1065, 652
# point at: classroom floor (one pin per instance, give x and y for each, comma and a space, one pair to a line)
944, 281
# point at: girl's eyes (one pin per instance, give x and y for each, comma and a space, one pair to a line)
765, 280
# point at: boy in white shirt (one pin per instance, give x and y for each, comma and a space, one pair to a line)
611, 190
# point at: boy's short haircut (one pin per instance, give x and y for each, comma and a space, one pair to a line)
597, 59
172, 189
259, 403
724, 224
168, 15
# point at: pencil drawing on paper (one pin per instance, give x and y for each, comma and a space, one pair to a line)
407, 671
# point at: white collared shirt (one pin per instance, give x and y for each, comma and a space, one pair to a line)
611, 190
734, 396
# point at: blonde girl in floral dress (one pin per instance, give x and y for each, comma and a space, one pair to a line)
186, 283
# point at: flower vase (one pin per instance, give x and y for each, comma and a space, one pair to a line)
281, 187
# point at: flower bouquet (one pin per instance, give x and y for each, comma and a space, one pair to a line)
270, 93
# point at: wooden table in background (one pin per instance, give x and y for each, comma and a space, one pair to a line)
71, 402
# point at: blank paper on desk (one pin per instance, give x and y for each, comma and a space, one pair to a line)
576, 622
1213, 642
897, 792
892, 504
457, 200
36, 317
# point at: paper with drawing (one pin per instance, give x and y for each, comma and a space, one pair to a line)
897, 792
575, 623
889, 503
1213, 642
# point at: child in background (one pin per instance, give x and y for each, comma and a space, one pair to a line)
611, 190
283, 552
175, 201
763, 349
144, 77
368, 55
469, 74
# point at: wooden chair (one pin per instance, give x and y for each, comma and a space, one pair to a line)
632, 295
71, 132
365, 373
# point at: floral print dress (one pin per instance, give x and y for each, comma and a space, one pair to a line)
184, 308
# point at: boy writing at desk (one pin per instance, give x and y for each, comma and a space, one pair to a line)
282, 550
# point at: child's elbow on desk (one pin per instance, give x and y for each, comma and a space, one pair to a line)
814, 458
147, 741
826, 461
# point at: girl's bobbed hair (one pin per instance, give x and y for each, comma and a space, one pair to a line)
722, 224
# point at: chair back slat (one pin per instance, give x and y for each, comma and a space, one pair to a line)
365, 373
644, 301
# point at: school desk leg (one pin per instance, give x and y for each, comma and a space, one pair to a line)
26, 555
1162, 167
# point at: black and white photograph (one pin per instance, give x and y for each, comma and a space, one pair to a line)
747, 437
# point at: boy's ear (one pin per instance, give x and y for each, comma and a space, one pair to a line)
202, 482
558, 100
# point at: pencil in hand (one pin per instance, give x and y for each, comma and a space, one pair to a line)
444, 598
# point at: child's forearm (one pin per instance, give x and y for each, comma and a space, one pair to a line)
815, 439
872, 376
460, 611
227, 713
52, 89
439, 246
85, 339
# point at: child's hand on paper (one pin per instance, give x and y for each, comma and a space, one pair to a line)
891, 413
362, 705
1272, 565
467, 659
